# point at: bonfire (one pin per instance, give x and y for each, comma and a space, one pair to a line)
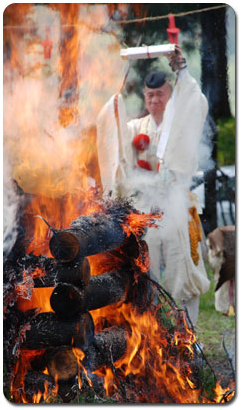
82, 317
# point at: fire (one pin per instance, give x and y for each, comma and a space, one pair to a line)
29, 297
79, 354
50, 143
147, 356
224, 395
18, 385
143, 263
50, 140
137, 223
54, 211
40, 299
149, 359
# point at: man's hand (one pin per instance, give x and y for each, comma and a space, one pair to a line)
177, 61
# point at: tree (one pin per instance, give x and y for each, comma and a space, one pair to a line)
215, 87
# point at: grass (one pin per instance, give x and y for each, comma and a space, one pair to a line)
210, 329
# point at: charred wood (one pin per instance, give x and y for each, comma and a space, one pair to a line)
67, 300
112, 287
62, 363
67, 389
106, 289
64, 245
108, 346
142, 293
86, 236
36, 383
132, 248
46, 330
55, 360
46, 272
76, 273
40, 360
63, 366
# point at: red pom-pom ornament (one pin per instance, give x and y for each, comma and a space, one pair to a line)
141, 142
144, 164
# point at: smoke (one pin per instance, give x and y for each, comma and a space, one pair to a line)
205, 161
11, 202
41, 154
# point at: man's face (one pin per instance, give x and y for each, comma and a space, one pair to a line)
156, 99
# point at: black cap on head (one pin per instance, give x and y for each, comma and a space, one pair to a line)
155, 79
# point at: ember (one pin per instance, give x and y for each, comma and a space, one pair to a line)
103, 332
81, 313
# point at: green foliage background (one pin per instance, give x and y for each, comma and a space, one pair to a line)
226, 141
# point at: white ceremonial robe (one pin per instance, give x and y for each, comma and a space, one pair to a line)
166, 189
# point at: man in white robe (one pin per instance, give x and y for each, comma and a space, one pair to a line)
155, 170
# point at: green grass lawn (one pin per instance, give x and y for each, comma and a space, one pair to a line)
211, 327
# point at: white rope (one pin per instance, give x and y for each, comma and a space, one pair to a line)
139, 20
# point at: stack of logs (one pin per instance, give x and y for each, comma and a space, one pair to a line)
76, 293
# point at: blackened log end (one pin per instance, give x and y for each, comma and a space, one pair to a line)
64, 246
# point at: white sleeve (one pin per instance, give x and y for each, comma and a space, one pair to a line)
191, 108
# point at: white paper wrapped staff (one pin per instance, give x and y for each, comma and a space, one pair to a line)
136, 53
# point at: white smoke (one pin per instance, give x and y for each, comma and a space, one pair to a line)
39, 153
205, 161
11, 202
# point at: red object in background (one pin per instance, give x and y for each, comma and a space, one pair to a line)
47, 44
172, 30
144, 164
141, 142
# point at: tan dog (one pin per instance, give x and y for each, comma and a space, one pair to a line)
221, 256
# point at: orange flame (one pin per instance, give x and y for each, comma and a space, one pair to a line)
50, 142
23, 365
148, 358
79, 354
137, 223
40, 299
224, 395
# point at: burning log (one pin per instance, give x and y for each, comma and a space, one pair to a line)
58, 364
76, 273
62, 363
46, 330
67, 390
107, 289
87, 236
63, 366
38, 386
111, 287
133, 248
108, 346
